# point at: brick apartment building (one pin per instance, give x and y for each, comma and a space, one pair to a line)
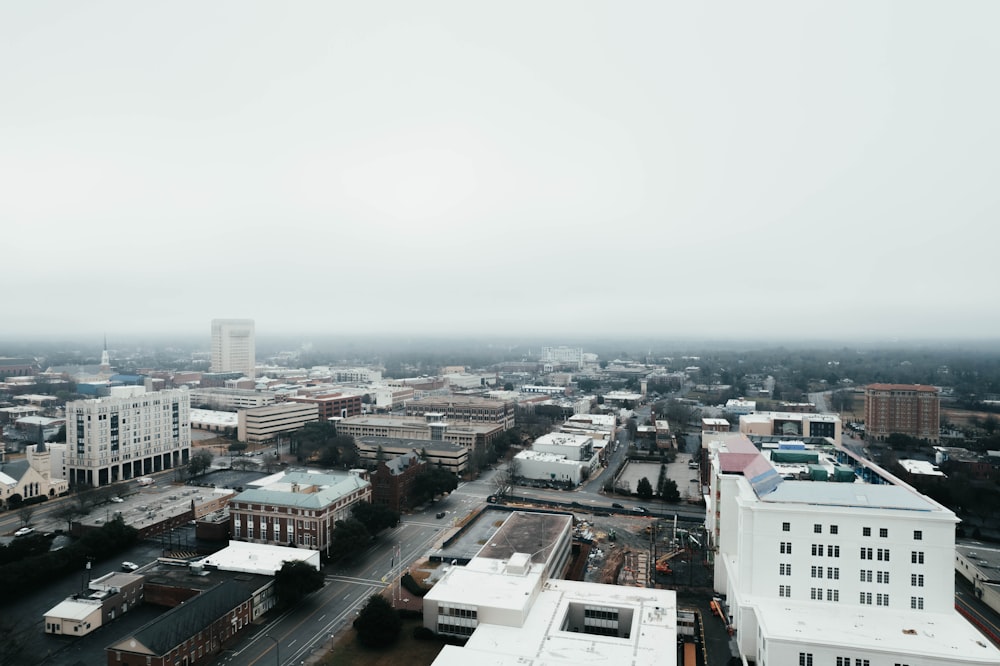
331, 405
392, 480
907, 409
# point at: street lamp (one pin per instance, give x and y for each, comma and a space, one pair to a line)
277, 645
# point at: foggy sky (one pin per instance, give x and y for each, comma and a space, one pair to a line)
767, 169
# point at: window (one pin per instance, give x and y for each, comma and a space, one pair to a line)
866, 531
865, 598
882, 599
861, 662
786, 527
817, 528
805, 659
918, 535
817, 549
833, 551
917, 580
786, 547
784, 569
833, 595
816, 593
784, 590
917, 557
883, 577
883, 554
866, 575
866, 553
917, 603
843, 661
834, 529
833, 573
816, 572
883, 532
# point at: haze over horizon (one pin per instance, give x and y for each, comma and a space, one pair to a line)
773, 171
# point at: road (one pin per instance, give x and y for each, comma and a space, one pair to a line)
312, 623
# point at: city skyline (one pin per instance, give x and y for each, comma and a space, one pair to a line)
565, 171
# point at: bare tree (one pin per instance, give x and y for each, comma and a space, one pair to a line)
506, 478
67, 511
25, 513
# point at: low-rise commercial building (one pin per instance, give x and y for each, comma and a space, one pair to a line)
106, 598
469, 409
511, 606
266, 424
446, 455
476, 437
334, 404
792, 424
230, 399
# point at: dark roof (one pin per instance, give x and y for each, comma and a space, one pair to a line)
15, 469
182, 622
400, 464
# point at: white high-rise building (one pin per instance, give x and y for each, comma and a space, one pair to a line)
563, 356
127, 435
825, 558
233, 347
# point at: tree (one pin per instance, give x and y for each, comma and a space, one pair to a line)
236, 447
669, 491
199, 463
505, 479
25, 513
294, 580
378, 624
431, 482
14, 501
375, 517
270, 462
349, 538
644, 489
67, 511
508, 386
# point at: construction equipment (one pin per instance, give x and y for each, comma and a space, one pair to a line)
662, 562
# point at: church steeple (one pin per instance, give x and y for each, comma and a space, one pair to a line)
105, 358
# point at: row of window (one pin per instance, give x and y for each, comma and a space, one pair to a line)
883, 532
831, 551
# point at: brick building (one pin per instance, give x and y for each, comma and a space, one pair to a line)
907, 409
393, 479
471, 409
331, 405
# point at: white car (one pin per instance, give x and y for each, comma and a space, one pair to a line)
129, 566
24, 531
117, 500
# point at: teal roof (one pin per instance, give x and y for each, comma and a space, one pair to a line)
330, 488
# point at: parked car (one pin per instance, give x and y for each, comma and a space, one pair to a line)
616, 505
117, 500
129, 566
24, 531
440, 514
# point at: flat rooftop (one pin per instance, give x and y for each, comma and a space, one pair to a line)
863, 495
929, 637
534, 533
544, 638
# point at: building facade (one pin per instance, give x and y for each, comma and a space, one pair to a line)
476, 437
792, 424
298, 508
231, 399
266, 424
392, 480
834, 569
126, 435
233, 346
446, 455
332, 405
471, 409
907, 409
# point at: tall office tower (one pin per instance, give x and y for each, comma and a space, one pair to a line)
907, 409
233, 346
124, 436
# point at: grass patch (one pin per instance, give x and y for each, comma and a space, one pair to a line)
406, 652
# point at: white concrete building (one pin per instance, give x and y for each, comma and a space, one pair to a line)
979, 563
792, 424
836, 571
515, 611
233, 347
258, 558
126, 435
739, 407
231, 399
562, 355
265, 424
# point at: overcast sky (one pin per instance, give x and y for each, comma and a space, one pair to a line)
766, 169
